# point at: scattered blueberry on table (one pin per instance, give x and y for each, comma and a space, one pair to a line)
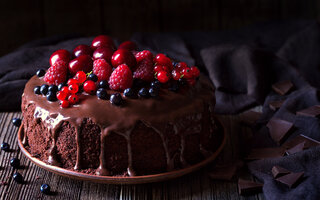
15, 163
17, 177
5, 146
16, 122
45, 189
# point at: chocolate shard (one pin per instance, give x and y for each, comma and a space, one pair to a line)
278, 171
262, 153
275, 105
247, 187
313, 111
282, 87
309, 142
279, 129
299, 147
250, 117
291, 179
223, 172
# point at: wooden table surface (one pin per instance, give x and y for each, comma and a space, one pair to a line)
197, 185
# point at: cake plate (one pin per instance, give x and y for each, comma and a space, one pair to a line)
121, 179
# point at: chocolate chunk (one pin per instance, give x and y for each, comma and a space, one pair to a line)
250, 117
282, 87
299, 147
247, 187
279, 129
313, 111
291, 179
278, 171
223, 172
309, 142
275, 105
262, 153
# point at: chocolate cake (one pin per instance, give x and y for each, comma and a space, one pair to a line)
140, 136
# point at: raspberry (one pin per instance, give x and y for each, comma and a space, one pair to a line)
121, 78
144, 71
57, 73
89, 87
143, 55
102, 69
195, 71
163, 76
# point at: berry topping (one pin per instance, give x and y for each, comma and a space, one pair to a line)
16, 122
62, 95
89, 87
45, 189
81, 63
73, 88
36, 90
44, 89
82, 49
73, 99
93, 77
102, 69
162, 59
143, 92
174, 87
103, 84
129, 45
194, 71
121, 78
156, 84
17, 177
143, 55
56, 74
60, 55
102, 41
116, 99
61, 85
153, 92
53, 88
15, 163
80, 77
180, 66
123, 56
103, 53
64, 104
102, 94
5, 147
163, 76
175, 74
51, 96
187, 74
40, 72
144, 70
129, 92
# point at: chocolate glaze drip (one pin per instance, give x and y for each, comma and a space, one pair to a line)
153, 113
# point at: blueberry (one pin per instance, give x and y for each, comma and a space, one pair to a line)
52, 88
40, 72
129, 92
15, 163
103, 84
45, 189
93, 77
16, 122
36, 90
51, 96
5, 146
61, 85
156, 84
174, 87
182, 82
44, 89
102, 94
153, 92
143, 92
116, 99
17, 177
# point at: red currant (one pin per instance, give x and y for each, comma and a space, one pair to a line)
187, 73
181, 65
163, 76
72, 81
73, 88
166, 68
162, 59
158, 68
175, 75
64, 104
65, 89
62, 95
58, 55
89, 87
73, 99
195, 71
81, 77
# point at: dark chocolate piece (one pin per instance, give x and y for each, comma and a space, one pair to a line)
313, 111
279, 129
278, 171
292, 179
275, 105
262, 153
247, 187
309, 142
250, 117
299, 147
282, 87
223, 172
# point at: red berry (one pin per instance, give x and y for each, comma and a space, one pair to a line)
195, 71
144, 70
158, 68
181, 65
80, 77
65, 89
64, 104
187, 73
89, 87
175, 75
73, 88
121, 78
60, 55
166, 68
123, 56
82, 63
102, 69
62, 95
103, 53
129, 45
72, 81
56, 74
191, 81
102, 41
82, 49
161, 59
73, 99
143, 55
163, 76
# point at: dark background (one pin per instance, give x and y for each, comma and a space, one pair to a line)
23, 21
